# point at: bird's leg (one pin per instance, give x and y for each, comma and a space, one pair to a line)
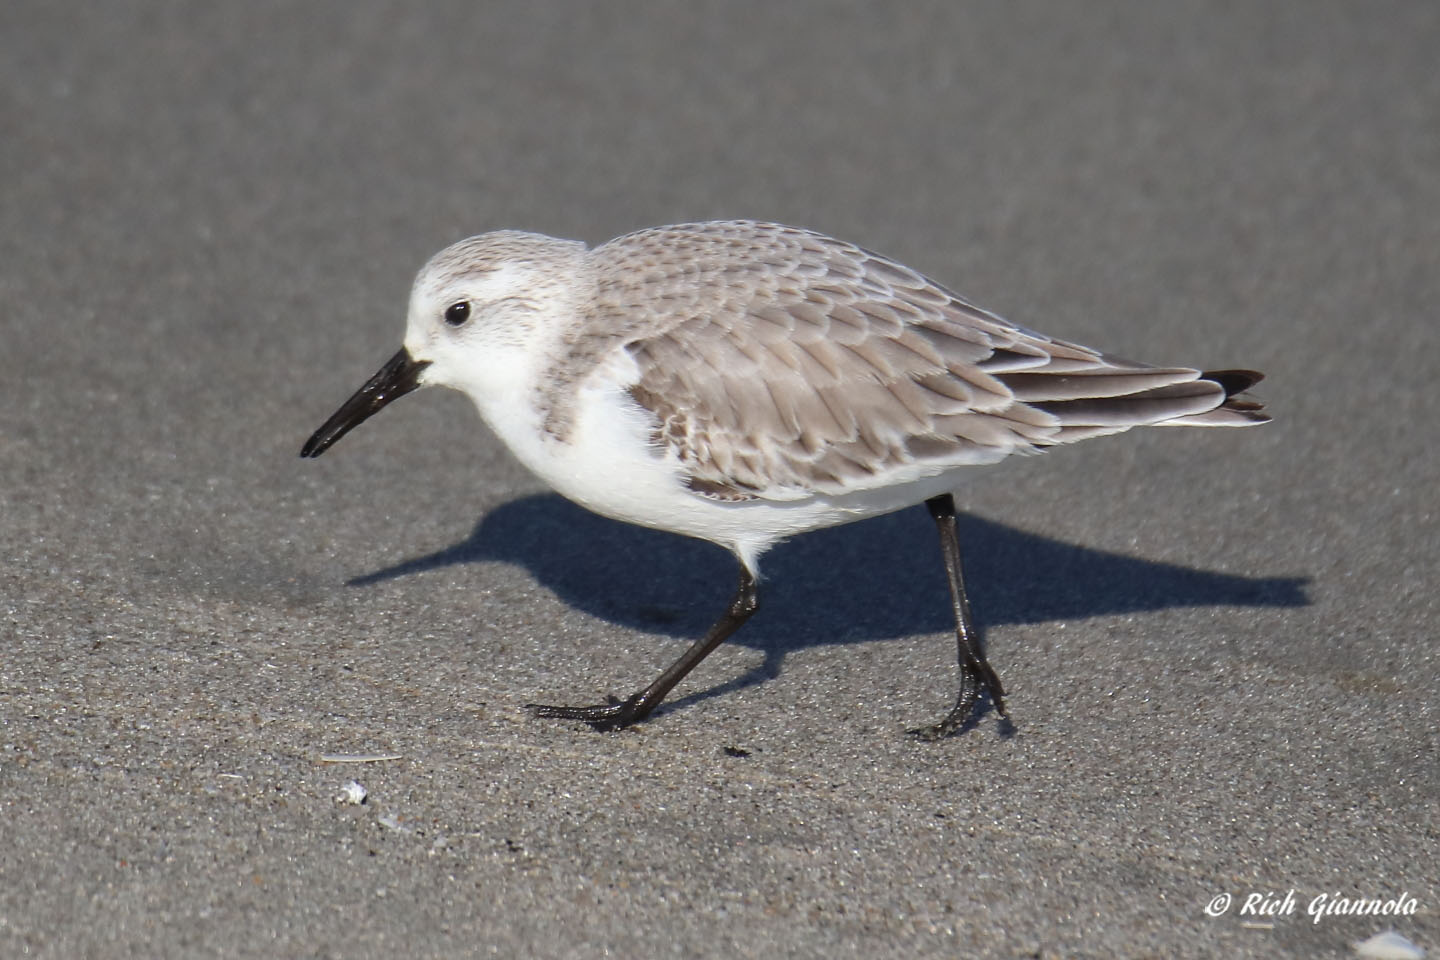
975, 673
612, 716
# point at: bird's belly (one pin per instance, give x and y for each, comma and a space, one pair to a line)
607, 463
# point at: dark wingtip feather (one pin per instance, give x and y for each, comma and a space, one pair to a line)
1234, 381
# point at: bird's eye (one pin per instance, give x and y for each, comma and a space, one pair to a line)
457, 313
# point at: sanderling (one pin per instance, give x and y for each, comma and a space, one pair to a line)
742, 382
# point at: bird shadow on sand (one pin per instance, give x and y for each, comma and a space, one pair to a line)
877, 579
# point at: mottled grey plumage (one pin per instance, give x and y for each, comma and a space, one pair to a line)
778, 361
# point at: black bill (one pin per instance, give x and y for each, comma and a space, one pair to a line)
398, 377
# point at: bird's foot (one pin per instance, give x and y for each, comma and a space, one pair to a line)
612, 715
954, 721
975, 676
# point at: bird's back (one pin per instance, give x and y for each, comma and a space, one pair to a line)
777, 363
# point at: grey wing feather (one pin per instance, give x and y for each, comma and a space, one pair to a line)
778, 362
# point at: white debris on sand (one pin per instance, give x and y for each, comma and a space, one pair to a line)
1388, 946
392, 822
353, 792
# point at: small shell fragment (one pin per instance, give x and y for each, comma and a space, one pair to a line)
352, 792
